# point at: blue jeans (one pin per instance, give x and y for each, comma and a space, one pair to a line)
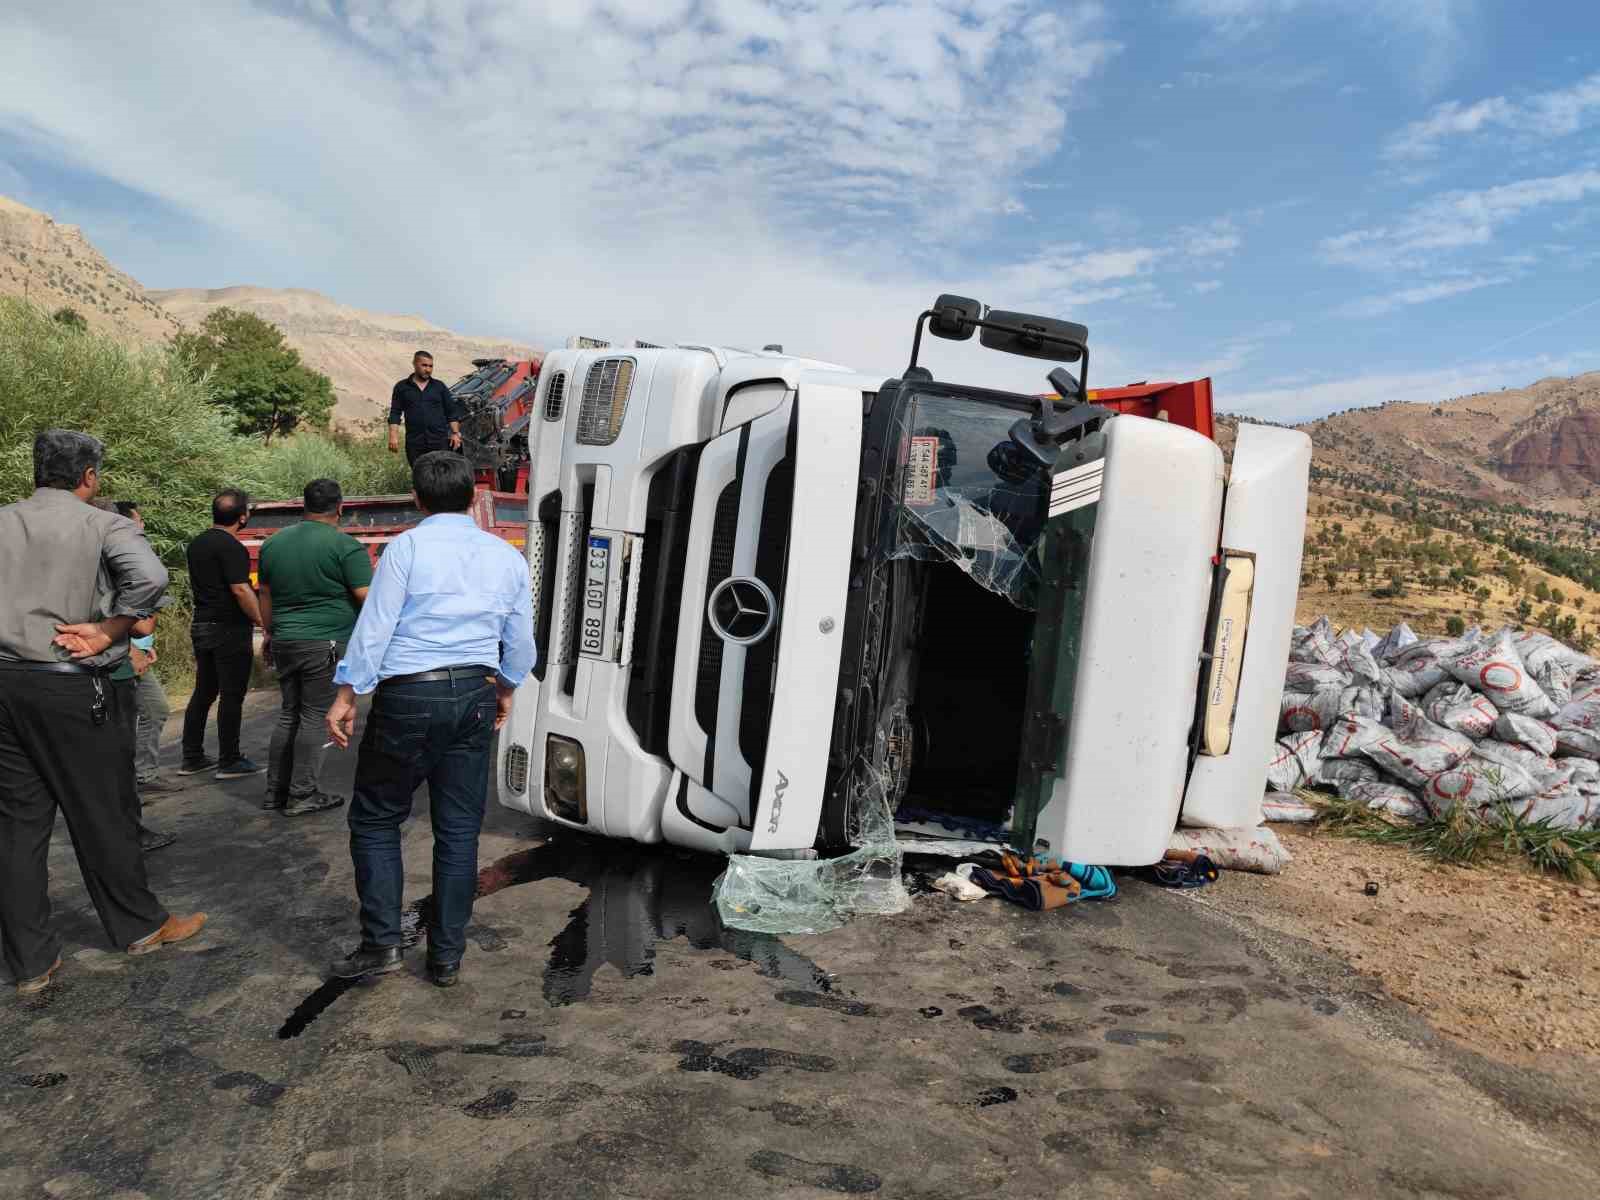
439, 731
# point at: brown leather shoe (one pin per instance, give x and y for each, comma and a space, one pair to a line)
32, 987
176, 929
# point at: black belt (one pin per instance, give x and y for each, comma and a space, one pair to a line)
55, 668
442, 673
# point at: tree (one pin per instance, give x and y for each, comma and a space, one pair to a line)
1524, 610
1541, 590
255, 374
1455, 626
1557, 595
1331, 578
1482, 595
71, 318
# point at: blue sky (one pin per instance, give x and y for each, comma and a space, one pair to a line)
1321, 204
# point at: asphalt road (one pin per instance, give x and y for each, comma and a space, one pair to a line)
609, 1040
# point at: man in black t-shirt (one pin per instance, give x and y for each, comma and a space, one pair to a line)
432, 416
225, 608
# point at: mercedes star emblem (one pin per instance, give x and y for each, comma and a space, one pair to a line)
742, 610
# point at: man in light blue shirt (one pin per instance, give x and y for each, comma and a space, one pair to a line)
443, 640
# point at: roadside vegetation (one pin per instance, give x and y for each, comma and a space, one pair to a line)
170, 441
1461, 838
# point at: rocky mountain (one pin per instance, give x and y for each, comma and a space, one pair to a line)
55, 266
362, 352
1537, 446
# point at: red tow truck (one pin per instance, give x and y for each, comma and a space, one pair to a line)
498, 394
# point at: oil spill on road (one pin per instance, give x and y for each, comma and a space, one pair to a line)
646, 895
996, 1095
45, 1079
825, 1176
314, 1005
748, 1062
1132, 1037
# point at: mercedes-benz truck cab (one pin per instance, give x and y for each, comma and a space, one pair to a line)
769, 591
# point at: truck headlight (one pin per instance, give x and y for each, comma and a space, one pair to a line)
564, 783
605, 400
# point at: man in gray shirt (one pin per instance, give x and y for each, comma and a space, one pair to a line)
76, 581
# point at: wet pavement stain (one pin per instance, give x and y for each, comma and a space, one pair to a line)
495, 1104
1132, 1037
982, 1017
1126, 1010
648, 895
1049, 1060
933, 1010
829, 1177
838, 1004
262, 1094
996, 1095
45, 1079
748, 1062
510, 1045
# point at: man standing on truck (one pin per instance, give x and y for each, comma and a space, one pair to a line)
313, 580
443, 640
225, 608
76, 581
431, 414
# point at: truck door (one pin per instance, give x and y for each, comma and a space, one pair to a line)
1126, 576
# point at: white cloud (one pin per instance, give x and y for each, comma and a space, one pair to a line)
725, 170
1549, 114
1388, 302
1434, 32
1308, 401
1454, 220
1204, 287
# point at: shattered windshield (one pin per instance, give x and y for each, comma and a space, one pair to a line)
971, 496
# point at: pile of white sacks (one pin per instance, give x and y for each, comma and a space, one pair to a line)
1417, 727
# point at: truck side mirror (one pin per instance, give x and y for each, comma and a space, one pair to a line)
953, 317
1034, 337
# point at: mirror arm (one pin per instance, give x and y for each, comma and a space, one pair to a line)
916, 342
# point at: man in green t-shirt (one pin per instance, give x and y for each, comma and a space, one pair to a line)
312, 582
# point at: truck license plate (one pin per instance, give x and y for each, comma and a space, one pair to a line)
594, 628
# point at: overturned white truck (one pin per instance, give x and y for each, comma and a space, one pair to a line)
768, 589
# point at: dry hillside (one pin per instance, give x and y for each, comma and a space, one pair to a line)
362, 352
1538, 446
55, 265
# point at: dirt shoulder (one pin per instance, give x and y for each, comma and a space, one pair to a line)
1506, 962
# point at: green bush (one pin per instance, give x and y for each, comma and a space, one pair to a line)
168, 446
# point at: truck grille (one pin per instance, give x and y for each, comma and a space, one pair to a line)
724, 532
660, 597
761, 659
555, 400
517, 769
605, 401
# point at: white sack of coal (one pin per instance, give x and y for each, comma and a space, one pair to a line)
1350, 736
1456, 706
1537, 649
1546, 771
1393, 642
1314, 644
1556, 678
1391, 798
1365, 701
1331, 772
1287, 808
1359, 662
1294, 760
1256, 849
1578, 729
1418, 668
1316, 709
1538, 736
1584, 687
1565, 808
1478, 783
1303, 677
1496, 669
1417, 749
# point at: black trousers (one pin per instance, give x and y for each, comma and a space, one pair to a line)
222, 659
53, 755
415, 450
